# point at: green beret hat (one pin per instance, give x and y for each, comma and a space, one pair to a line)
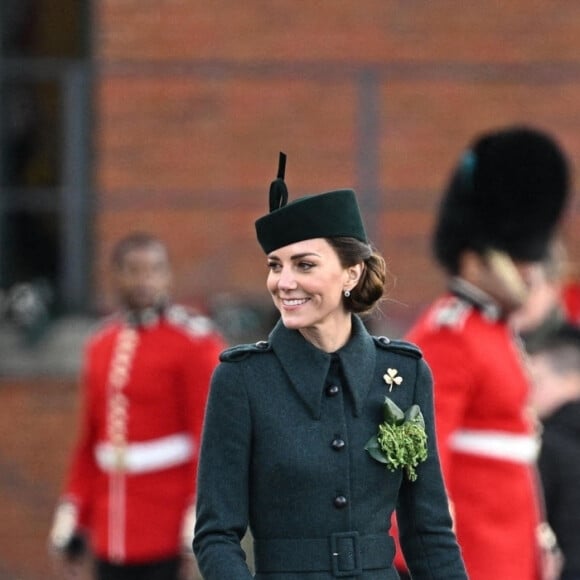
326, 215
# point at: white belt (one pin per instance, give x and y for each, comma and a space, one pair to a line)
496, 444
145, 456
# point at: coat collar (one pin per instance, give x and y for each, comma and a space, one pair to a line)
307, 366
144, 317
477, 297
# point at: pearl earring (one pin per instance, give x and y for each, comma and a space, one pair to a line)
346, 293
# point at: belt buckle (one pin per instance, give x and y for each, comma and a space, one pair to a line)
120, 462
345, 552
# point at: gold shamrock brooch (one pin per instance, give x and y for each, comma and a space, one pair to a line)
392, 378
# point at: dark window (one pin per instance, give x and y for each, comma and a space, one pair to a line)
44, 142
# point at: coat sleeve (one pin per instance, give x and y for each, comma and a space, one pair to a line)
425, 525
77, 495
223, 478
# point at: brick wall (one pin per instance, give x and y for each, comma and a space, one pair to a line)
194, 101
38, 420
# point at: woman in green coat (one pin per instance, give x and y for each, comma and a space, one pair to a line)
314, 437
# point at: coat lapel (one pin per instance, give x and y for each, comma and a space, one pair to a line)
358, 359
307, 367
304, 364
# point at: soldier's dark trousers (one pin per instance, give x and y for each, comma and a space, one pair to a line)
160, 570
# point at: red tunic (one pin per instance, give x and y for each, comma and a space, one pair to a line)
134, 511
571, 301
481, 403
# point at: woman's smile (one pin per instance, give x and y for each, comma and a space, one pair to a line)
292, 302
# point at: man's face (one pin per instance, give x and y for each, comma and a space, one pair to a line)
143, 279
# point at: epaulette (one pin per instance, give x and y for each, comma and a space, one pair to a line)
451, 312
399, 346
102, 325
243, 351
193, 323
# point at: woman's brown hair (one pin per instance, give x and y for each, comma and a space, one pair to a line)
367, 294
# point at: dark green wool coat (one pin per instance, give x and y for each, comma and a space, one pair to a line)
283, 452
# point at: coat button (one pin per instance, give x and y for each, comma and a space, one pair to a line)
338, 444
332, 390
340, 501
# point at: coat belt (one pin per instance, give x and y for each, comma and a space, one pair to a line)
515, 447
145, 456
342, 554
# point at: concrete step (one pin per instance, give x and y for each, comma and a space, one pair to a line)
57, 352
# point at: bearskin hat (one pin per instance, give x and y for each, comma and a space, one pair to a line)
507, 193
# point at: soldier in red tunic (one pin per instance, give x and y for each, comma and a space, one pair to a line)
497, 218
131, 486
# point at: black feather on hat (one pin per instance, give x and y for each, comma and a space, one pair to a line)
507, 193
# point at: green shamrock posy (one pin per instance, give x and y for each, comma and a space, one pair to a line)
401, 442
